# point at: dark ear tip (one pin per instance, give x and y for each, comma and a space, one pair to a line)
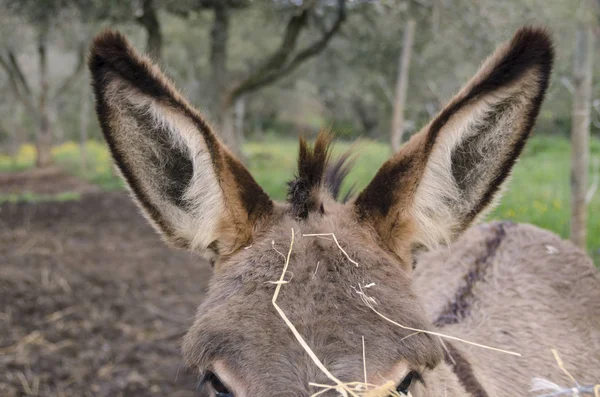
109, 41
106, 46
534, 43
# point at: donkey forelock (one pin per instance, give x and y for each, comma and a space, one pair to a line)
315, 173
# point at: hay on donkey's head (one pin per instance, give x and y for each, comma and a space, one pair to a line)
357, 388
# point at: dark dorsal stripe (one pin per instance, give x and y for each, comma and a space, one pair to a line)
463, 371
460, 306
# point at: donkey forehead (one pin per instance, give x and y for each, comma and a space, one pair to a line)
321, 298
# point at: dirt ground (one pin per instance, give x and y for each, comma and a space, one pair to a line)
92, 303
52, 180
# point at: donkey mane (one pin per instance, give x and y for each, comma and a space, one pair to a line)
315, 171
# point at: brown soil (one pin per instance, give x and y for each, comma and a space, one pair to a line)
52, 180
92, 303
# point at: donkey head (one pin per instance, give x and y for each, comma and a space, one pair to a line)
358, 267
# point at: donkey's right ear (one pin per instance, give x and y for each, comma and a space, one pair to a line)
451, 172
193, 190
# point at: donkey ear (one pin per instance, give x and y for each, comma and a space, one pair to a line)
449, 173
188, 184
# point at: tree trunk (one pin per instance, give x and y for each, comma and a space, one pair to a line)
11, 143
227, 128
225, 112
240, 115
580, 134
401, 86
149, 20
84, 119
17, 134
280, 63
44, 134
219, 35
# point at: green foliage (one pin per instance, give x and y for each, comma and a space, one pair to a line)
538, 193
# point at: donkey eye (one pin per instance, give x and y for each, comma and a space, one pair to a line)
406, 382
217, 385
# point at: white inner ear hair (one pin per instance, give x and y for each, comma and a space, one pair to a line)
198, 219
440, 206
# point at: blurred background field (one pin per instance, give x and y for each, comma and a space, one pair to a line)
538, 192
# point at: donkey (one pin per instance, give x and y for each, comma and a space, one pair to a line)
356, 301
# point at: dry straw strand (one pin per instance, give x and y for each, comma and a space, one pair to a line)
25, 384
276, 250
352, 389
336, 242
578, 390
364, 360
291, 326
365, 389
366, 301
561, 365
447, 351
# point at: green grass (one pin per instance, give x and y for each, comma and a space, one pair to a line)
538, 193
29, 197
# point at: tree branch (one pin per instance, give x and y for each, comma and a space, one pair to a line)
69, 81
11, 77
277, 65
15, 82
290, 39
184, 9
18, 71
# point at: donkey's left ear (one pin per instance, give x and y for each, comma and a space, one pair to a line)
449, 173
191, 188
